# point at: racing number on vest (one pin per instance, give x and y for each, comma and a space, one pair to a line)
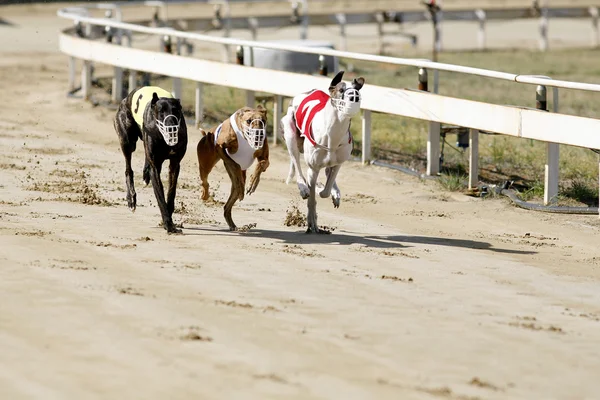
137, 104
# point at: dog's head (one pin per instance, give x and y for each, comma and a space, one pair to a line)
168, 114
346, 99
253, 123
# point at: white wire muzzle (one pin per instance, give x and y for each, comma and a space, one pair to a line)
255, 136
169, 131
349, 104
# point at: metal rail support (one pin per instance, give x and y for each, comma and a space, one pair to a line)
433, 137
239, 55
86, 79
72, 68
473, 158
366, 137
322, 65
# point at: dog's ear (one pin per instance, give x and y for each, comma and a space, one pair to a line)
358, 83
154, 98
263, 111
336, 79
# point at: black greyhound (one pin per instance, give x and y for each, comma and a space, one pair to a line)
153, 115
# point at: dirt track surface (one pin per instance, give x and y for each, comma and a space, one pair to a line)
417, 294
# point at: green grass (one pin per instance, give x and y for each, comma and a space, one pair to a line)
502, 158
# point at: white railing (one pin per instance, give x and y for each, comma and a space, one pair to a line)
552, 128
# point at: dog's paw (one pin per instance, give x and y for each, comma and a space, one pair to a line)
131, 202
174, 231
336, 201
304, 191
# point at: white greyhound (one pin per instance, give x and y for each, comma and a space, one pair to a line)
323, 119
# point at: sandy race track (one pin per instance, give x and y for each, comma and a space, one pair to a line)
417, 294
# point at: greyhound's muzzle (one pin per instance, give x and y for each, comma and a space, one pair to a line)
349, 104
255, 136
169, 128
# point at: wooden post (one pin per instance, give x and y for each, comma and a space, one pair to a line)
277, 115
366, 137
473, 158
199, 106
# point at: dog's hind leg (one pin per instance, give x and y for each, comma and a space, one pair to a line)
207, 159
291, 140
128, 131
237, 189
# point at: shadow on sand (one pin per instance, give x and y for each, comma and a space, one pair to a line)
347, 238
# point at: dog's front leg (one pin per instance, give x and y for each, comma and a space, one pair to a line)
159, 193
174, 167
261, 166
331, 187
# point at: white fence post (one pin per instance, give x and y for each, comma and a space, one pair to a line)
117, 85
366, 136
199, 105
595, 34
72, 67
304, 28
277, 115
177, 88
250, 98
341, 19
132, 79
433, 137
544, 28
86, 79
473, 158
438, 33
381, 41
481, 39
253, 24
552, 149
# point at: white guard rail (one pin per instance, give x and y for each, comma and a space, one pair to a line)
552, 128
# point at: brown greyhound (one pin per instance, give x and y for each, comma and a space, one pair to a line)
238, 141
